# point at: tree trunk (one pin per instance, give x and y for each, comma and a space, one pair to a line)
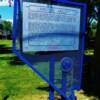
96, 67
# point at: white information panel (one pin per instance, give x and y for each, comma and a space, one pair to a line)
50, 28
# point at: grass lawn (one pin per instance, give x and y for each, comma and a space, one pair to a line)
19, 82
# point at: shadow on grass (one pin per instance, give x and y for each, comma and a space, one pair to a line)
12, 60
5, 97
43, 88
15, 61
89, 91
5, 50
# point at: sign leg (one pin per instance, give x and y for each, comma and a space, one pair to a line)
51, 93
67, 78
64, 77
51, 76
67, 86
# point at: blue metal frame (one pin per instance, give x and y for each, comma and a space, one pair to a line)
64, 79
51, 77
84, 30
28, 63
66, 67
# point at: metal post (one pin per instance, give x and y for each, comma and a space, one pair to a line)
65, 88
67, 78
51, 76
64, 78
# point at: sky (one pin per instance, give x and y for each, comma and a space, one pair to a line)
6, 12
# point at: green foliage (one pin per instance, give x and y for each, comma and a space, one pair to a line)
1, 26
7, 26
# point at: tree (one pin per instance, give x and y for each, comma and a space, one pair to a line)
97, 57
1, 26
7, 28
1, 30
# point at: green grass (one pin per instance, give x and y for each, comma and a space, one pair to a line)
16, 79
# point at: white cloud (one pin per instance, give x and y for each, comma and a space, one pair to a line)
10, 20
4, 3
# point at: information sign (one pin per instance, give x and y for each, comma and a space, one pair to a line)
49, 38
50, 28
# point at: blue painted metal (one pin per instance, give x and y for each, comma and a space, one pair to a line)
70, 93
52, 62
66, 64
14, 26
32, 67
82, 51
64, 83
51, 75
83, 30
70, 2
